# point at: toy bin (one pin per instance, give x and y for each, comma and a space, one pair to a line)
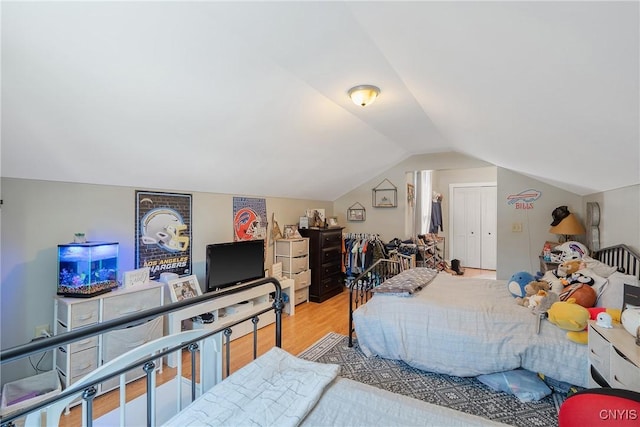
87, 269
28, 391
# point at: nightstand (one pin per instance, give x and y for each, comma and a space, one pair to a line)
547, 265
614, 358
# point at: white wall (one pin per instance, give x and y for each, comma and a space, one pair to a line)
39, 215
619, 216
519, 251
389, 222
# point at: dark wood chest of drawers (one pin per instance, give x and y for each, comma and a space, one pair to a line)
325, 259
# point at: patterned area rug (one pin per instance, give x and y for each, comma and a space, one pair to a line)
463, 394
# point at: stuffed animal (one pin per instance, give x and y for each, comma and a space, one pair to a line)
517, 283
574, 318
568, 315
567, 268
533, 290
545, 303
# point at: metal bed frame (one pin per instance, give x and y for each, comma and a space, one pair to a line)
621, 256
88, 388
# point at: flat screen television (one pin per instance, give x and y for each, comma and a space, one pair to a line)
233, 263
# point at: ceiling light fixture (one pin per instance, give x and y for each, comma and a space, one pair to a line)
364, 95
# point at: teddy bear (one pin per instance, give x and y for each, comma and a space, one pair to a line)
534, 291
574, 318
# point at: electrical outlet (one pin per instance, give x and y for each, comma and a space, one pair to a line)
516, 227
42, 331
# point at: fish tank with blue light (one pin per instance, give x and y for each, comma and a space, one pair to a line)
87, 269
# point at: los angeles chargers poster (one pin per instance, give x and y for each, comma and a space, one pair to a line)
163, 233
249, 219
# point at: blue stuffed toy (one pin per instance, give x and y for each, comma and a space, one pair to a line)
517, 283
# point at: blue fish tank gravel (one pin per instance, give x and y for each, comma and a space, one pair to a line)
87, 269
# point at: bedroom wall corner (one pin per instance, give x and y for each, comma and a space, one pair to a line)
39, 215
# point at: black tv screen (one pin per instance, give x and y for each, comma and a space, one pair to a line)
233, 263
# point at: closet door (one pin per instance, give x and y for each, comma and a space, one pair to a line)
473, 226
489, 223
467, 226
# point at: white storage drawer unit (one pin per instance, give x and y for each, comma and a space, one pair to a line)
613, 357
77, 359
294, 256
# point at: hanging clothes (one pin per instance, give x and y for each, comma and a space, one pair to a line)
360, 251
436, 217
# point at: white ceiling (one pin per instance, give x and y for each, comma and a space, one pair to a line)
250, 98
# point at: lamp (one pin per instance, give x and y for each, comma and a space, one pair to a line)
364, 95
569, 226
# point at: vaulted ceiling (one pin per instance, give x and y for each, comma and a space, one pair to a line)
250, 97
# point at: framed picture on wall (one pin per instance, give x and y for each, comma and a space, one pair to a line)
356, 212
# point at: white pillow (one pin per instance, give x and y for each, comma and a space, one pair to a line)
613, 293
599, 267
556, 285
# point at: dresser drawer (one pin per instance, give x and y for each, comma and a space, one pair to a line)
121, 341
130, 303
331, 239
293, 265
80, 363
302, 280
292, 247
81, 313
82, 344
331, 255
331, 283
327, 270
623, 373
599, 354
301, 295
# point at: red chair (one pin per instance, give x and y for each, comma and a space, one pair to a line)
601, 407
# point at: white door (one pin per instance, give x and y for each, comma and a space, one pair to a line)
489, 223
473, 213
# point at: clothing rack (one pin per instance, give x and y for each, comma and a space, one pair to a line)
360, 251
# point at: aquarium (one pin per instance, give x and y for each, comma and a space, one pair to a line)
87, 269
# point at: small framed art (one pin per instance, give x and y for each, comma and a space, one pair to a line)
332, 221
290, 231
184, 288
356, 212
385, 195
135, 277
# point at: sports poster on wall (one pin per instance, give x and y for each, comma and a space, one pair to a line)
163, 233
249, 219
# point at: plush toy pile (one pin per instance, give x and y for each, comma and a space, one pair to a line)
567, 297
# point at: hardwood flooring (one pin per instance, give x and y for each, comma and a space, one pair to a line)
311, 322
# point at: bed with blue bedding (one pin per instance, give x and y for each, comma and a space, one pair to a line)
469, 326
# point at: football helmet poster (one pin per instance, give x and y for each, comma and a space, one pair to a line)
163, 233
249, 219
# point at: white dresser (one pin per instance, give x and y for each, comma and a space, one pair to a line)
75, 360
614, 358
294, 256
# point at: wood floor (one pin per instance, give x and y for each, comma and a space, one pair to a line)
311, 322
